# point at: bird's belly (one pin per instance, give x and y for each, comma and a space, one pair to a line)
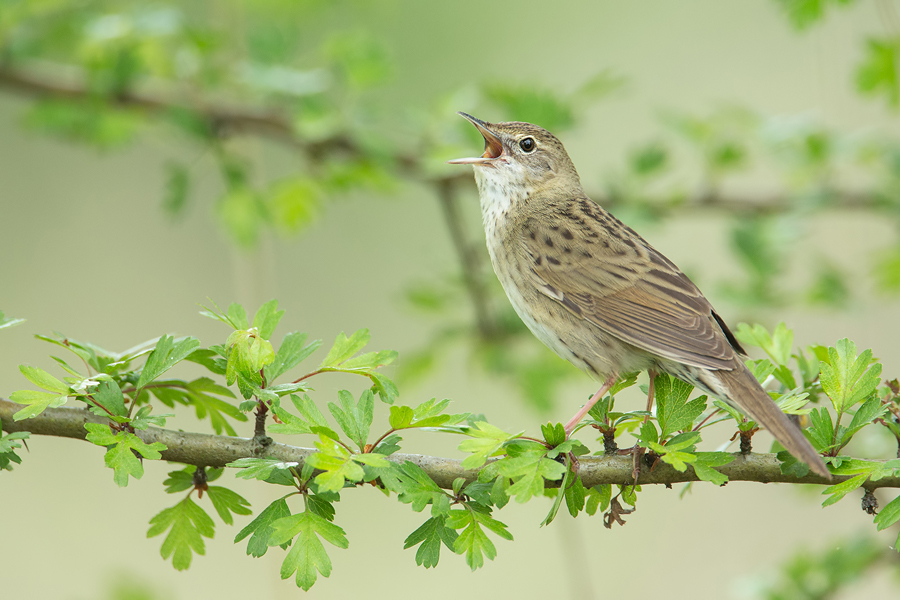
580, 342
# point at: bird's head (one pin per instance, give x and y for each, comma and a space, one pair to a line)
521, 159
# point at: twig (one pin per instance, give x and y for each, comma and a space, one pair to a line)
218, 450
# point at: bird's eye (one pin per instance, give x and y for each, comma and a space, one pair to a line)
527, 144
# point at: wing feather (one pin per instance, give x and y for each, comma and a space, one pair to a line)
602, 271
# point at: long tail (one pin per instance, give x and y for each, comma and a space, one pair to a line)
743, 390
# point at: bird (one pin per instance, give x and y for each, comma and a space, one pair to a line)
595, 292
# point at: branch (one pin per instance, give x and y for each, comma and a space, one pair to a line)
228, 119
272, 122
207, 450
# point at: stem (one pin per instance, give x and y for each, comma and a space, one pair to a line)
98, 405
708, 417
531, 439
132, 390
381, 439
308, 375
468, 259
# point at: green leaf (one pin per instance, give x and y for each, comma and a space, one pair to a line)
181, 480
679, 460
226, 502
9, 321
840, 490
261, 528
846, 377
210, 359
238, 316
417, 488
868, 412
121, 448
821, 430
427, 414
36, 402
109, 395
370, 360
575, 496
486, 441
527, 466
83, 352
648, 434
189, 525
8, 447
704, 463
472, 541
267, 318
354, 418
598, 498
247, 354
778, 345
554, 434
263, 469
877, 74
673, 411
43, 379
217, 314
345, 347
337, 465
290, 354
761, 369
889, 515
310, 420
431, 534
384, 387
307, 554
803, 13
200, 391
166, 355
400, 417
793, 401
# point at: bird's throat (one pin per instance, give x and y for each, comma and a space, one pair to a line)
501, 190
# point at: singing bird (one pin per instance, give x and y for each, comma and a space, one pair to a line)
595, 292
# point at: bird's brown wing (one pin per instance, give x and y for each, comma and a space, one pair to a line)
602, 271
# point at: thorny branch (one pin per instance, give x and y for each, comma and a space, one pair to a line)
218, 450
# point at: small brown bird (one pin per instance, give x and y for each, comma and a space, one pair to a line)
595, 292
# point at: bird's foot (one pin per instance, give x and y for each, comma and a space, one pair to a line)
573, 461
637, 456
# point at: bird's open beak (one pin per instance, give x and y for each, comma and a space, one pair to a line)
493, 147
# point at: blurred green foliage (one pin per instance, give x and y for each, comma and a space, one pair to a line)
824, 574
103, 73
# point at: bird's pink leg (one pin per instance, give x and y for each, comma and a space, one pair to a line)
610, 381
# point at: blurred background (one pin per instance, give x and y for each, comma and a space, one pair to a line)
156, 155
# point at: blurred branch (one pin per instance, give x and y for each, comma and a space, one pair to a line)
224, 120
469, 258
218, 450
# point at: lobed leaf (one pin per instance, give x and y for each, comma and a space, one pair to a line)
188, 524
166, 355
307, 555
260, 528
429, 536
